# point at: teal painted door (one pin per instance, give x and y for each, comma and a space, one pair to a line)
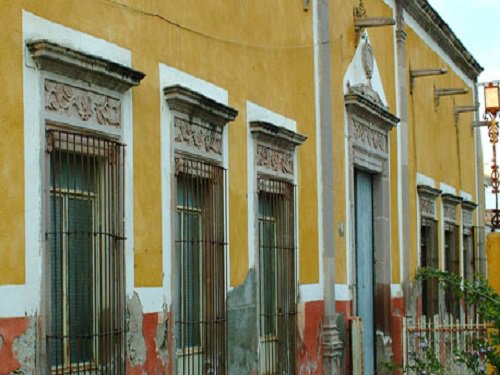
364, 264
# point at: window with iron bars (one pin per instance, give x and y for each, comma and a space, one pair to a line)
277, 280
200, 267
429, 259
452, 264
85, 243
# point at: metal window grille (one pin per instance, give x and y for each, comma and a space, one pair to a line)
452, 264
277, 277
429, 259
85, 239
200, 267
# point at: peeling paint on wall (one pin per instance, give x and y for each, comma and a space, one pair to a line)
24, 348
242, 318
136, 346
161, 338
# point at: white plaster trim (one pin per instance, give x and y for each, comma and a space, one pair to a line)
256, 112
251, 191
319, 180
311, 292
343, 292
425, 180
349, 248
35, 27
466, 196
314, 292
422, 34
170, 76
149, 299
419, 224
447, 189
355, 73
25, 299
396, 291
441, 263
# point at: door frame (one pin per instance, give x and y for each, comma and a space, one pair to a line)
369, 123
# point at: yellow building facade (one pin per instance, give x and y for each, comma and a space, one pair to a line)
219, 187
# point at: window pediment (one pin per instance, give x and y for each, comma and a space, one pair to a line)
74, 64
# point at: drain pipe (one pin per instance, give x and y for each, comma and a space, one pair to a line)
332, 346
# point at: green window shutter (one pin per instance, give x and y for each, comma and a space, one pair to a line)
56, 281
80, 279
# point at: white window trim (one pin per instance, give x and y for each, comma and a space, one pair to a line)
25, 299
153, 299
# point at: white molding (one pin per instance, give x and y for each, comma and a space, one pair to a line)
170, 76
425, 180
310, 292
24, 300
255, 112
396, 291
151, 298
343, 292
447, 189
258, 113
35, 27
466, 196
355, 73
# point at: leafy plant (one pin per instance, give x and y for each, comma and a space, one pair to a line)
487, 302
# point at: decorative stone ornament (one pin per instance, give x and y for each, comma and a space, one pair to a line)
427, 197
367, 58
75, 103
467, 216
197, 122
275, 149
450, 203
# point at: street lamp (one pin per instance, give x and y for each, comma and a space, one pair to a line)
492, 107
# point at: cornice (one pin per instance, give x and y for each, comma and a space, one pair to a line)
78, 65
428, 191
193, 103
450, 199
468, 205
269, 131
363, 99
441, 33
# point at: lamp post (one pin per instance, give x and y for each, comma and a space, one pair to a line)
492, 107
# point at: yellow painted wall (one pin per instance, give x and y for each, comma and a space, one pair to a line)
493, 254
438, 147
260, 51
342, 52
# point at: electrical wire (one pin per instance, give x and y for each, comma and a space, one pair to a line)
213, 37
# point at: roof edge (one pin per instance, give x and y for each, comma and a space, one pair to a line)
434, 25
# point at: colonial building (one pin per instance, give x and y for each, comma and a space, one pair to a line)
215, 187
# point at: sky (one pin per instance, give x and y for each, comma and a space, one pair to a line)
475, 23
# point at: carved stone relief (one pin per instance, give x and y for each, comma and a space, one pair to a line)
467, 218
450, 213
369, 137
198, 137
279, 161
427, 207
80, 104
